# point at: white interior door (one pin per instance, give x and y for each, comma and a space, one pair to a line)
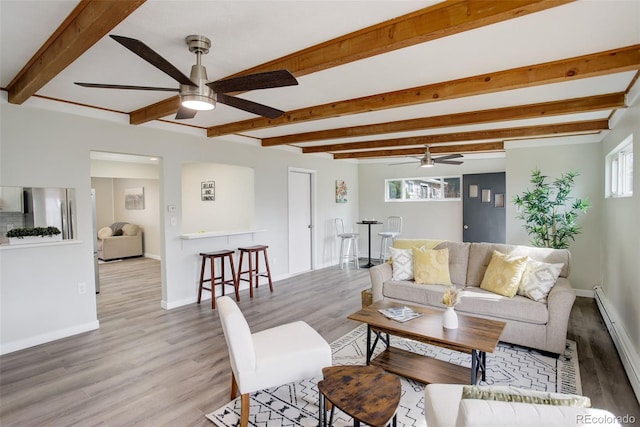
300, 220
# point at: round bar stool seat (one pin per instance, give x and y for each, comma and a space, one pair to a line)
217, 280
253, 269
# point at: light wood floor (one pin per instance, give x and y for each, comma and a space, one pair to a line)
149, 366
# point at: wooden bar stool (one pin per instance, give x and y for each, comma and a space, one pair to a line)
217, 280
254, 266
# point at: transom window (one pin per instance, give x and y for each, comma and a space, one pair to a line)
620, 169
422, 189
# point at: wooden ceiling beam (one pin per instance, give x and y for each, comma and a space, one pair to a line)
155, 111
430, 23
543, 109
592, 65
484, 147
506, 133
89, 21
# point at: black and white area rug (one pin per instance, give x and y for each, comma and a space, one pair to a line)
296, 404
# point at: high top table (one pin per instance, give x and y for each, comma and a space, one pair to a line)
368, 223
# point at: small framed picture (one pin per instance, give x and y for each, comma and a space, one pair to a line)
486, 195
208, 191
473, 191
499, 201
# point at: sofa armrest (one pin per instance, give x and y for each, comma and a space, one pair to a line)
490, 413
378, 275
559, 303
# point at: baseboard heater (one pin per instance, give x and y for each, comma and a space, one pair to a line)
622, 341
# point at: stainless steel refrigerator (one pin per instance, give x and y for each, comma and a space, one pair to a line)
51, 207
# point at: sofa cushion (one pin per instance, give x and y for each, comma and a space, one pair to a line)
416, 243
521, 395
411, 293
458, 261
431, 266
503, 274
401, 264
105, 232
477, 301
130, 229
116, 227
538, 279
480, 256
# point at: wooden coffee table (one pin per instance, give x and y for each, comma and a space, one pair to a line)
474, 335
368, 394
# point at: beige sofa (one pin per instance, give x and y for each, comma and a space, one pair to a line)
120, 240
538, 325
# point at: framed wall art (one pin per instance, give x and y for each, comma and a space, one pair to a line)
208, 191
341, 191
134, 198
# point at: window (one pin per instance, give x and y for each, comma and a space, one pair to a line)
620, 170
422, 189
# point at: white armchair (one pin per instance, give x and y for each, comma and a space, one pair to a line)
269, 358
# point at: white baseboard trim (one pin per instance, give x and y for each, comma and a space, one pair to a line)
630, 358
10, 347
584, 293
152, 256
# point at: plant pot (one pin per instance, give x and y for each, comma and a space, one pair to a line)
27, 240
450, 319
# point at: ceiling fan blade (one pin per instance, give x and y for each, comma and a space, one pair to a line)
448, 162
448, 157
266, 80
153, 58
106, 86
250, 106
185, 113
402, 163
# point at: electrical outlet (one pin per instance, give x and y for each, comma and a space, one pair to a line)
82, 288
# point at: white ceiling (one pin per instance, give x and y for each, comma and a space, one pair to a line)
248, 33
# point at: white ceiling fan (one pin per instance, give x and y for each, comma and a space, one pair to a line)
427, 161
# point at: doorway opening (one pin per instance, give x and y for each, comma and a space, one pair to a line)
301, 212
126, 206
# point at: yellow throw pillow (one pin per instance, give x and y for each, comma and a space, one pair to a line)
503, 274
431, 266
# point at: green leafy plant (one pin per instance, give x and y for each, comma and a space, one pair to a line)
549, 211
33, 231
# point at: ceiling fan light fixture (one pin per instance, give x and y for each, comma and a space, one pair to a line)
198, 102
427, 165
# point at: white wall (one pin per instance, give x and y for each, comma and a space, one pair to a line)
234, 205
428, 219
45, 148
621, 234
553, 159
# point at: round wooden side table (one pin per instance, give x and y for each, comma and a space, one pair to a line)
368, 394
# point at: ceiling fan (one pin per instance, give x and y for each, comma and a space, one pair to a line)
197, 93
427, 161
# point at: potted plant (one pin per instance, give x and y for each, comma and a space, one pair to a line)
33, 235
549, 210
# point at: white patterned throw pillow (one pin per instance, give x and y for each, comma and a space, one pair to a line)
402, 264
538, 279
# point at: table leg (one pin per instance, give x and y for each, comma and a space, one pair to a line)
321, 410
369, 264
478, 365
474, 367
369, 349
